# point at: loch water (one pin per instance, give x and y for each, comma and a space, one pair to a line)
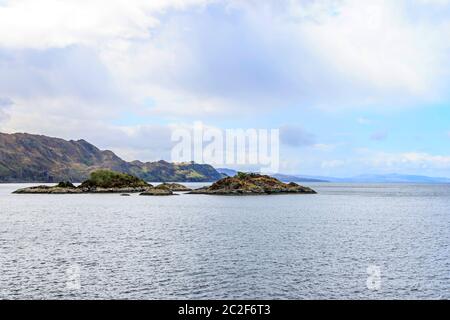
350, 241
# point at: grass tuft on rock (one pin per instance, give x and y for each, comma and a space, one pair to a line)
65, 184
111, 179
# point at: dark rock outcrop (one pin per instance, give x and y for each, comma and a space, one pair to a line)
252, 184
157, 192
65, 184
176, 187
101, 181
49, 190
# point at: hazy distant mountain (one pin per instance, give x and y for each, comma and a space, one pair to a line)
281, 177
227, 172
386, 178
395, 178
366, 178
291, 178
36, 158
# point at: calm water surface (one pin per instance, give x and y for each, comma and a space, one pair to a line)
200, 246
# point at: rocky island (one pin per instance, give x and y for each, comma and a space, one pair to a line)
165, 189
176, 187
252, 184
61, 188
100, 181
107, 181
158, 191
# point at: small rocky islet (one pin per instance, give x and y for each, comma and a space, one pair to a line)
165, 189
100, 181
157, 191
61, 188
177, 187
252, 184
107, 181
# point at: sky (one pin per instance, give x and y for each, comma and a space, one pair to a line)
355, 87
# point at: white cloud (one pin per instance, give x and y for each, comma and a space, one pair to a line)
332, 164
363, 121
324, 147
139, 142
193, 58
52, 23
434, 2
405, 161
295, 136
88, 64
5, 103
347, 162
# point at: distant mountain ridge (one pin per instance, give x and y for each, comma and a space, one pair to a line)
392, 178
279, 176
36, 158
385, 178
365, 178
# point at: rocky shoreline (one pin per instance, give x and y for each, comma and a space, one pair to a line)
106, 181
252, 184
176, 187
165, 189
101, 181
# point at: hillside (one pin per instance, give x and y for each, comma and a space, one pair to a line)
36, 158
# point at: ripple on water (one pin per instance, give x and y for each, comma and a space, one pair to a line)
200, 247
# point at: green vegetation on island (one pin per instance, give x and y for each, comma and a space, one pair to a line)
107, 181
252, 184
111, 179
100, 181
157, 191
174, 187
